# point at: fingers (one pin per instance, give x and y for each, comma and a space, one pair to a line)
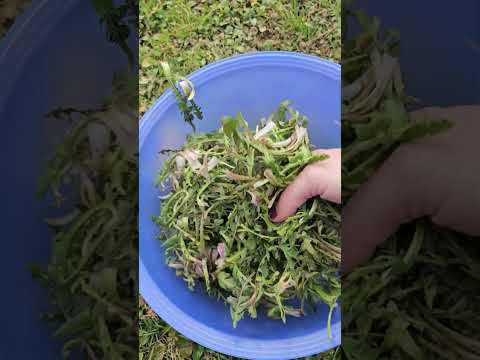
394, 195
320, 179
422, 178
299, 191
328, 177
454, 113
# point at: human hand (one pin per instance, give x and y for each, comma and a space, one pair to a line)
437, 177
322, 178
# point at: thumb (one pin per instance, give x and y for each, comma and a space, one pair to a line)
393, 196
314, 180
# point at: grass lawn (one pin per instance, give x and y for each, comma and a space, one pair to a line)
191, 34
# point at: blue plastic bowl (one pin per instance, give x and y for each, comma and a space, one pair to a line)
254, 84
55, 55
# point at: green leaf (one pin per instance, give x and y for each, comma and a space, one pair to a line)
397, 335
358, 350
397, 115
431, 288
422, 129
198, 353
230, 125
103, 7
242, 123
75, 325
226, 281
376, 125
109, 348
415, 245
105, 281
69, 346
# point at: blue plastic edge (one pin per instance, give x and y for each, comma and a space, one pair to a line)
16, 46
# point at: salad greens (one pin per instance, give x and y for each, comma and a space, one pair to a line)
92, 276
215, 219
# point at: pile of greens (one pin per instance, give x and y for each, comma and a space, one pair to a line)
215, 219
92, 274
418, 298
92, 179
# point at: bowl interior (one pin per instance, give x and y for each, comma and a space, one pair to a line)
254, 85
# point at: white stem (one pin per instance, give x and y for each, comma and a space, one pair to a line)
266, 129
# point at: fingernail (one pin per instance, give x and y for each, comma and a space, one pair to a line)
273, 212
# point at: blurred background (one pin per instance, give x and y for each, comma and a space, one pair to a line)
439, 47
55, 54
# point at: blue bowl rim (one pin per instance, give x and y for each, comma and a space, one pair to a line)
228, 344
21, 39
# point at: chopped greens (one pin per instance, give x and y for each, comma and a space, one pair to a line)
92, 277
92, 274
215, 223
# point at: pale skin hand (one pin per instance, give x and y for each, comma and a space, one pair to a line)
436, 177
322, 178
